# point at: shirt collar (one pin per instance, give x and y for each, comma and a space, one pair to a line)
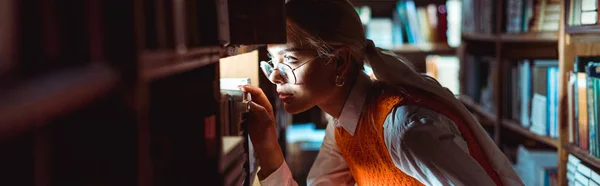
353, 106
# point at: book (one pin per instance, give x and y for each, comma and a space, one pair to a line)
571, 99
589, 17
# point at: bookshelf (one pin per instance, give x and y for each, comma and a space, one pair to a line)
123, 92
491, 49
575, 41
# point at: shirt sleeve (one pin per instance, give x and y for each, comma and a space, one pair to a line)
428, 146
330, 168
281, 176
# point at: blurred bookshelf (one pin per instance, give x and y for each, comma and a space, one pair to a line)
126, 92
509, 53
411, 29
580, 153
528, 61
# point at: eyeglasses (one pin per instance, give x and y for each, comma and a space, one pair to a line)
285, 71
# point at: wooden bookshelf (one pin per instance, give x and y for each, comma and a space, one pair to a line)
582, 155
517, 127
573, 41
504, 48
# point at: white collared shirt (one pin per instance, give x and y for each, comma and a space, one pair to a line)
422, 143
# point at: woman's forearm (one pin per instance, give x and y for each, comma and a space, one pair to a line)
270, 157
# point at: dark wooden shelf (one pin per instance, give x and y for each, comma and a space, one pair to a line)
529, 45
477, 109
425, 48
525, 132
28, 104
529, 37
588, 29
583, 155
481, 37
384, 8
158, 64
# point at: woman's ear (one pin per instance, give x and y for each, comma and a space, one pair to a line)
343, 59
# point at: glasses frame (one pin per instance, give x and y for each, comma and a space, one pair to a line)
286, 77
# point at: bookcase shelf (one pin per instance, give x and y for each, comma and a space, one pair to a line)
517, 127
164, 63
478, 110
480, 37
582, 29
583, 155
530, 37
426, 49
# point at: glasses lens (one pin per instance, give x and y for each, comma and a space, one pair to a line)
266, 68
286, 73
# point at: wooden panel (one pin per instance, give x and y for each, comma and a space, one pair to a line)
7, 36
566, 60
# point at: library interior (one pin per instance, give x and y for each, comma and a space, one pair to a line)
221, 92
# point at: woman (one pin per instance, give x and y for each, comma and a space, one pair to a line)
402, 129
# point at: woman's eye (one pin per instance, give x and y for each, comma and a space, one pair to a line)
289, 59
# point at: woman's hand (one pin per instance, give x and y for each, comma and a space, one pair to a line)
261, 128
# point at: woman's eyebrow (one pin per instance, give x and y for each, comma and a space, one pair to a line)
292, 49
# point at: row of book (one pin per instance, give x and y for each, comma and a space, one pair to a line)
530, 91
521, 16
584, 96
237, 163
537, 166
583, 12
532, 94
410, 24
579, 173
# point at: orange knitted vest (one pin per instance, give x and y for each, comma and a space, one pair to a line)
366, 153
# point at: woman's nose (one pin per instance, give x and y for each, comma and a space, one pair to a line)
276, 77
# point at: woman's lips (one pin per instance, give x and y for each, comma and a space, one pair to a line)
286, 97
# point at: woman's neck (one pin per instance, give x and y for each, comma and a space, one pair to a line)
334, 105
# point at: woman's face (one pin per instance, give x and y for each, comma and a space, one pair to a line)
314, 76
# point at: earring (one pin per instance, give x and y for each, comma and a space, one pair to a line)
339, 81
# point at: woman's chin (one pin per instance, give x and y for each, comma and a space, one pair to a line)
295, 108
